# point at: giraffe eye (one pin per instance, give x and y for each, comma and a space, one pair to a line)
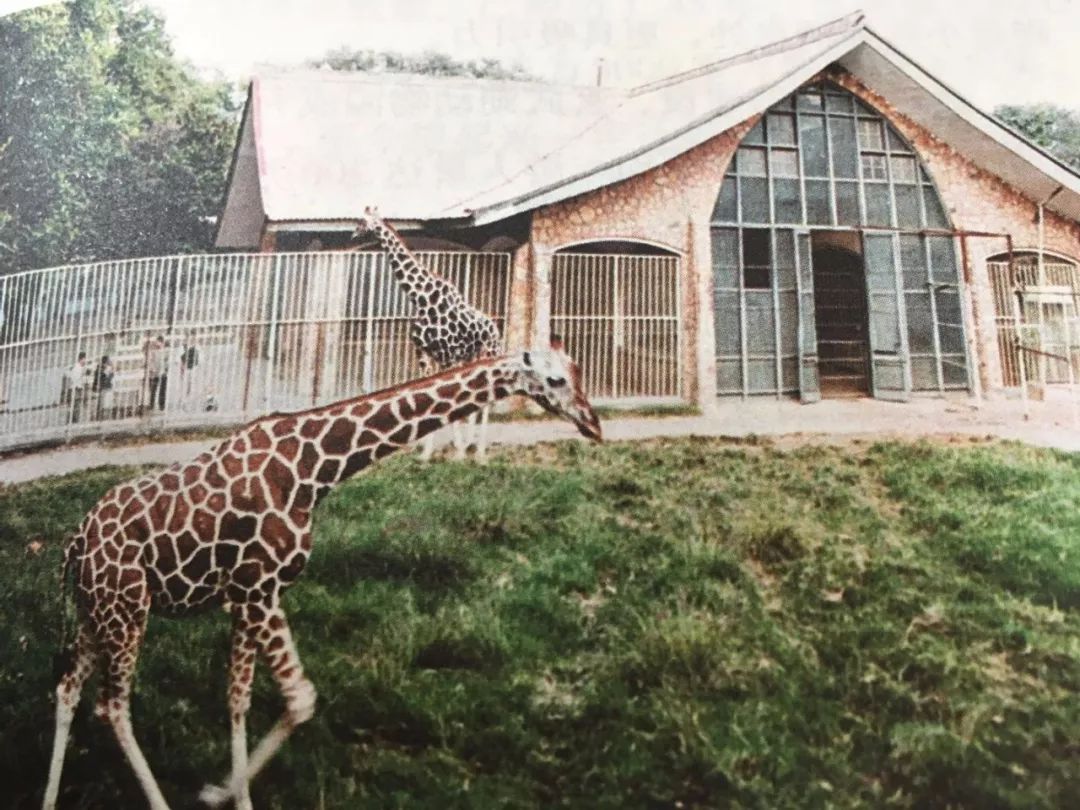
556, 382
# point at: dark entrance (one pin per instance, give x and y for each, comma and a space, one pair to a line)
840, 317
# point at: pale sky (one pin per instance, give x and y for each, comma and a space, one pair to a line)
991, 51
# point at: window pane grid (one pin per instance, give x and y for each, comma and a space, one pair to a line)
805, 142
821, 158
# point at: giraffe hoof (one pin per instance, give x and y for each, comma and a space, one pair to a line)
215, 796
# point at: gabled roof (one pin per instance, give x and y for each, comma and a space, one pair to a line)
324, 145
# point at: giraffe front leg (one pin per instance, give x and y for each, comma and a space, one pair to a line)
241, 673
427, 447
461, 441
68, 692
427, 366
276, 646
481, 435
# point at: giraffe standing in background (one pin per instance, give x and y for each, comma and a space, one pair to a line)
233, 528
446, 330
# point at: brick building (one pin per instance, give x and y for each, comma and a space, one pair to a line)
815, 217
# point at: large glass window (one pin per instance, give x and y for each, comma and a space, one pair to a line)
833, 161
823, 159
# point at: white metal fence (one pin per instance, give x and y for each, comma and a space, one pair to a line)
242, 334
1038, 307
620, 318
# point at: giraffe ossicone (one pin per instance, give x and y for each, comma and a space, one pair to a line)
232, 528
446, 330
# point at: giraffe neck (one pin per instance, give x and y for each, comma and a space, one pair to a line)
332, 443
412, 275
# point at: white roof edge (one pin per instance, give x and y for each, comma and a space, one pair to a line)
972, 115
660, 152
343, 224
847, 23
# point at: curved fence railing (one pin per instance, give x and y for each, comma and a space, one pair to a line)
184, 341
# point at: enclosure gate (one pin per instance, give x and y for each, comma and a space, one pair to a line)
244, 334
619, 316
1044, 306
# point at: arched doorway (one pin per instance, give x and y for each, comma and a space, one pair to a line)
821, 165
615, 303
1038, 303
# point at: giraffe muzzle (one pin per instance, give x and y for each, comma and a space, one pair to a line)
588, 423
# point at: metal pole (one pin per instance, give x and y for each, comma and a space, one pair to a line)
271, 343
76, 392
1042, 283
1020, 353
1072, 374
368, 265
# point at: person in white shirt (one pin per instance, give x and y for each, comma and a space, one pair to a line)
75, 383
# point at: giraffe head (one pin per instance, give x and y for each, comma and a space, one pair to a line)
552, 380
368, 223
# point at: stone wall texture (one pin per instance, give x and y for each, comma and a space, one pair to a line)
671, 204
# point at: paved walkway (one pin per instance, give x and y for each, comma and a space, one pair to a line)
1051, 425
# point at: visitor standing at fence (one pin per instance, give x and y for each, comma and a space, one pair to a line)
189, 359
103, 386
74, 390
157, 357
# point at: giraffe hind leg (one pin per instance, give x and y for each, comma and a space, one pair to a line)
119, 653
68, 692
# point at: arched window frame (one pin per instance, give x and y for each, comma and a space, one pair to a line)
823, 159
773, 171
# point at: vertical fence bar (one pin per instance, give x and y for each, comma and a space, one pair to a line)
271, 340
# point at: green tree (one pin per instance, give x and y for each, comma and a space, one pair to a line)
429, 63
113, 148
1055, 129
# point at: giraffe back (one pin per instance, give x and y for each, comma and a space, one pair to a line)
448, 329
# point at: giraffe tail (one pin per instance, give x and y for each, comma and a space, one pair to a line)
62, 660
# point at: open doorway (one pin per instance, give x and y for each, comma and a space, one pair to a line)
840, 314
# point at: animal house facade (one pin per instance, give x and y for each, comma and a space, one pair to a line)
814, 218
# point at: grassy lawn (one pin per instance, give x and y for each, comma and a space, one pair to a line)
687, 623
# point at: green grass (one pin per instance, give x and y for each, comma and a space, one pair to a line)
685, 623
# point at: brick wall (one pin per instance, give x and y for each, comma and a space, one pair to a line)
671, 205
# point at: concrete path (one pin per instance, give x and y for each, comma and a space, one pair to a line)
1051, 425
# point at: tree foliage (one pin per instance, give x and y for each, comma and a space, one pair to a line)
1055, 129
428, 63
112, 147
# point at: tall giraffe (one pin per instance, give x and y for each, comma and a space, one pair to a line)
446, 329
233, 528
